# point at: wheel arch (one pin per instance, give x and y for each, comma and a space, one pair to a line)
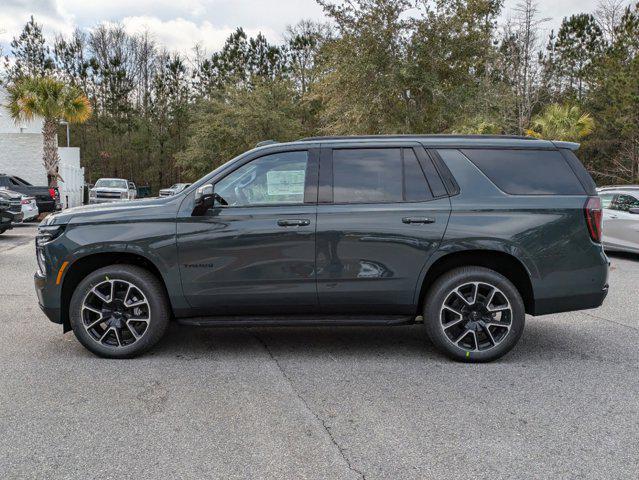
83, 266
504, 263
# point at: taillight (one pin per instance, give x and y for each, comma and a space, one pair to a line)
594, 216
52, 193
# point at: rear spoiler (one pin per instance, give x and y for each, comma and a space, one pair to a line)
567, 145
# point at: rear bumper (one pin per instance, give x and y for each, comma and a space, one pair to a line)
48, 206
571, 303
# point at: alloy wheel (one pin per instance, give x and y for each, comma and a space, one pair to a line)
476, 316
115, 313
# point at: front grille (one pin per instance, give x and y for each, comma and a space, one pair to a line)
108, 195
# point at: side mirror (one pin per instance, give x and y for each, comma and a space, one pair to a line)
634, 210
204, 197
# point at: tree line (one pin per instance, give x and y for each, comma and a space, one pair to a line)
376, 67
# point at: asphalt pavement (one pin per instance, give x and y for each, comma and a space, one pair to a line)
318, 403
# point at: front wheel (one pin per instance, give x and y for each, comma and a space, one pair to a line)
119, 311
474, 314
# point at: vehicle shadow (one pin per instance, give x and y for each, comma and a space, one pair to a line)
542, 342
624, 255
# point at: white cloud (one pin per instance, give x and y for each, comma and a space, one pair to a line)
14, 15
182, 35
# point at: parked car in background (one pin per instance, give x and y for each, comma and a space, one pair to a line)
108, 190
30, 209
173, 189
10, 209
470, 233
47, 199
620, 218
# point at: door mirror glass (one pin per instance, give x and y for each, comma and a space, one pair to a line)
204, 197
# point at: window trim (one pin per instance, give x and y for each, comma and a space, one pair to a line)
310, 180
326, 179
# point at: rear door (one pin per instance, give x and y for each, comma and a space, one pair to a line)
382, 212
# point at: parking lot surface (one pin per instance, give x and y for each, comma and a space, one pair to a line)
318, 403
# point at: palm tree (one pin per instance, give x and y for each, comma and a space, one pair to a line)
562, 122
54, 101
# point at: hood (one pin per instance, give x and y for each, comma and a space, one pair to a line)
114, 212
10, 194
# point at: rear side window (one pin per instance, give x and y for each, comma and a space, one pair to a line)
378, 175
415, 187
527, 172
606, 199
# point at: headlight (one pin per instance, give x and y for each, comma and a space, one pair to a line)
124, 195
92, 193
46, 233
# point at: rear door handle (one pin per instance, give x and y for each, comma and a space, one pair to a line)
293, 222
418, 220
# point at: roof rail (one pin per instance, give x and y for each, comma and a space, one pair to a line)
619, 187
263, 143
359, 137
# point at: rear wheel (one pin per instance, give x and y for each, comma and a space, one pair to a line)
474, 314
119, 311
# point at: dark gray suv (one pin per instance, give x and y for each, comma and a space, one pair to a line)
467, 234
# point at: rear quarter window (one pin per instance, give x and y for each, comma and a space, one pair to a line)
527, 172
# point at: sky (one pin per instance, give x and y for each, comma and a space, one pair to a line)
180, 24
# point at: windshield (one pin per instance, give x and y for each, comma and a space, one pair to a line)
112, 183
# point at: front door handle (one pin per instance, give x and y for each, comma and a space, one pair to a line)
294, 222
409, 220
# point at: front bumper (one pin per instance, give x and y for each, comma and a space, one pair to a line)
48, 301
94, 201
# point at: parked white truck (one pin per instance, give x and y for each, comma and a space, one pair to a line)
108, 190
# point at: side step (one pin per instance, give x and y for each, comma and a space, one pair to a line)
298, 321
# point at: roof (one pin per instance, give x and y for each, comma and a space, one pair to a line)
443, 141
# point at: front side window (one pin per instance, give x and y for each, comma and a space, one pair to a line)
626, 202
276, 179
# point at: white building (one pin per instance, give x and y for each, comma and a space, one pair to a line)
21, 155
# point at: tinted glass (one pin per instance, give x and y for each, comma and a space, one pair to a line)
415, 187
606, 199
586, 180
527, 172
626, 202
371, 175
275, 179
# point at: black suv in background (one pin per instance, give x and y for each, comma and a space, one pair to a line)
470, 233
10, 209
47, 199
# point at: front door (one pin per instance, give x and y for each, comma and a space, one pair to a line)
255, 255
620, 226
379, 220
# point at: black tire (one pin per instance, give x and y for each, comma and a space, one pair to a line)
158, 313
488, 338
